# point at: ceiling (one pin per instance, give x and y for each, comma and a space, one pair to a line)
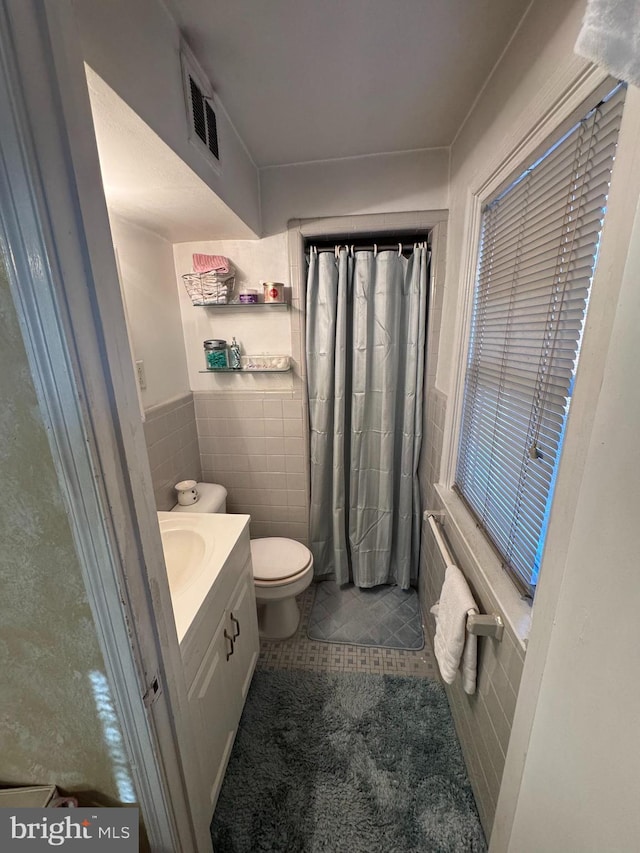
147, 183
310, 80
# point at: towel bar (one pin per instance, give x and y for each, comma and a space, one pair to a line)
435, 526
486, 625
483, 625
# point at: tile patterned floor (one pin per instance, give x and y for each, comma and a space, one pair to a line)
384, 616
299, 652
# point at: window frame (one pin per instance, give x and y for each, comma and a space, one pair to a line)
514, 391
518, 152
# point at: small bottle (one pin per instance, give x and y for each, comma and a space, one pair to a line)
234, 355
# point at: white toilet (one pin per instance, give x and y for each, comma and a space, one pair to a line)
282, 569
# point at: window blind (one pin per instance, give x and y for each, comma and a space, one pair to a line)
538, 248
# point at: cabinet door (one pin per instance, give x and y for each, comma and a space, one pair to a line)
213, 706
242, 621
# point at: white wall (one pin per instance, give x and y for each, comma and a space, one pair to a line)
353, 186
134, 47
585, 737
153, 311
512, 103
261, 330
383, 183
570, 776
387, 183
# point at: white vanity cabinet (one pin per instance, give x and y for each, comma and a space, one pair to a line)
219, 653
213, 712
244, 622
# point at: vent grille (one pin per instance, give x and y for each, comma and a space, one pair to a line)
203, 118
212, 131
197, 111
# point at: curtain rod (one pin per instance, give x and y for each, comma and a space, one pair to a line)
380, 247
381, 241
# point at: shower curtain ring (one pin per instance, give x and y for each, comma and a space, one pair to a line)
399, 250
375, 250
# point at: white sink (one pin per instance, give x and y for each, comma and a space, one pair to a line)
184, 551
188, 547
196, 547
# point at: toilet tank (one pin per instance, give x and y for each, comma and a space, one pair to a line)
212, 498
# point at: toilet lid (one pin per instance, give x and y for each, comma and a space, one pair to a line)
276, 558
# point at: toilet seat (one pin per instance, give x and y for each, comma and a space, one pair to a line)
277, 560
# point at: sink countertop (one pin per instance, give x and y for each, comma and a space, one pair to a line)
226, 530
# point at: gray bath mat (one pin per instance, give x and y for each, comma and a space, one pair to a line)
346, 763
384, 616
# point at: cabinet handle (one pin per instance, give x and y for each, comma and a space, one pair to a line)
236, 632
231, 641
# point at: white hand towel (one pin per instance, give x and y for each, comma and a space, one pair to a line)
610, 36
453, 646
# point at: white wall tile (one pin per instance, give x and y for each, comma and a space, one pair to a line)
291, 409
270, 480
295, 446
293, 428
279, 513
248, 409
244, 447
275, 446
239, 462
273, 409
299, 514
294, 464
174, 455
274, 427
296, 481
277, 463
249, 426
257, 462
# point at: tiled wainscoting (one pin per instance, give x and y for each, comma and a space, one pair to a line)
483, 720
253, 444
172, 442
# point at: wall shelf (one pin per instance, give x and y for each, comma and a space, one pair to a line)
247, 371
243, 306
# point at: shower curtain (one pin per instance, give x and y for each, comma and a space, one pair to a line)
366, 321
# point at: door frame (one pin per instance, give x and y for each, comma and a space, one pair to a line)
56, 245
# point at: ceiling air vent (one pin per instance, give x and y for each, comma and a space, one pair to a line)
212, 131
203, 127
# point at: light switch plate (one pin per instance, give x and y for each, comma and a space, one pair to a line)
142, 379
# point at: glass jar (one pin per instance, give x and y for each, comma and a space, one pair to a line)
215, 354
273, 291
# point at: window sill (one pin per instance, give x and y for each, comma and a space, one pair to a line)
515, 610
